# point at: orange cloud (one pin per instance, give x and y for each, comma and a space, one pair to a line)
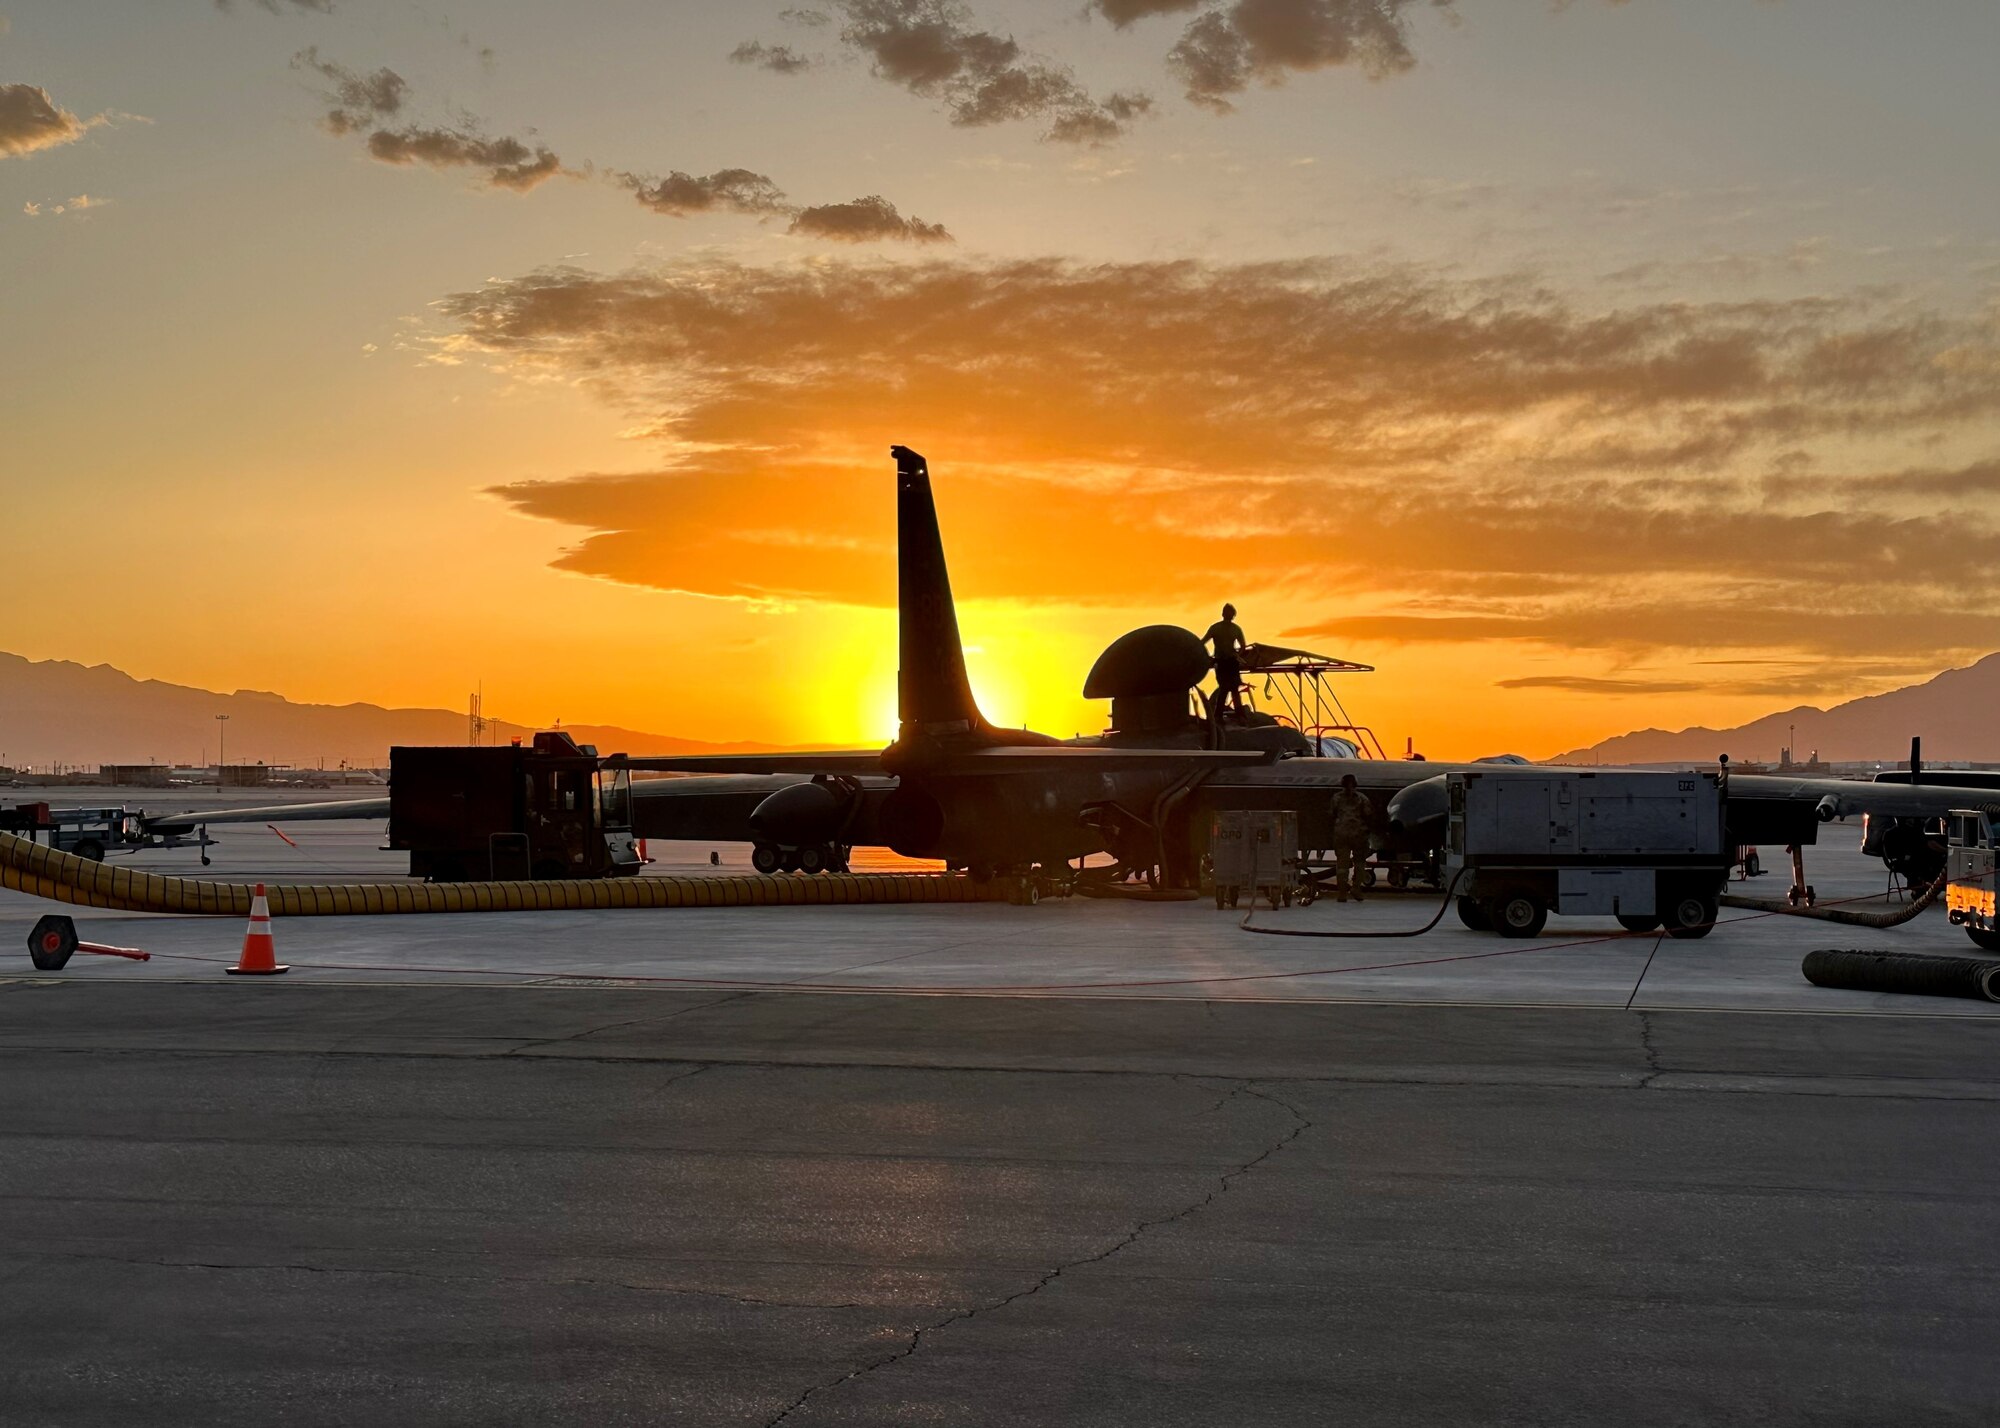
1448, 460
30, 121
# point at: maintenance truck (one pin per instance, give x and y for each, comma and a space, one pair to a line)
1968, 892
469, 814
1646, 848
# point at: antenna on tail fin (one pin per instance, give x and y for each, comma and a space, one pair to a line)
933, 694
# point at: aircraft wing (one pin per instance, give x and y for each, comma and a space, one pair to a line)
1055, 758
834, 761
1768, 807
271, 813
1842, 798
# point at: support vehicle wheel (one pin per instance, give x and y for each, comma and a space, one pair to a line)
1366, 878
812, 860
90, 848
1984, 938
1399, 877
1633, 923
765, 859
1221, 898
1518, 914
1690, 915
1473, 915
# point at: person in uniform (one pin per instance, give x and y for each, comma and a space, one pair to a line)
1352, 816
1226, 636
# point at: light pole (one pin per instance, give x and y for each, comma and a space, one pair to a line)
221, 721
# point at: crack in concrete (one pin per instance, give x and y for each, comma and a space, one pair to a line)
1223, 1182
290, 1268
1653, 1068
542, 1041
1205, 1083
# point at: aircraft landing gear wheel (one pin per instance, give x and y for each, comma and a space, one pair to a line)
811, 860
765, 859
1473, 915
1689, 916
1632, 923
788, 861
1984, 938
1518, 914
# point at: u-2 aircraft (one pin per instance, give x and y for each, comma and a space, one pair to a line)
953, 787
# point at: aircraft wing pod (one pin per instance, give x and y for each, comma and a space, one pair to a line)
833, 761
272, 813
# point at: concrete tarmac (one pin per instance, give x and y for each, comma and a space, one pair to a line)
1089, 1163
331, 1204
1078, 947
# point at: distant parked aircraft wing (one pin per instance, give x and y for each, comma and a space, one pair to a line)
359, 808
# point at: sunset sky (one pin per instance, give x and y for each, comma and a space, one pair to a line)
1584, 366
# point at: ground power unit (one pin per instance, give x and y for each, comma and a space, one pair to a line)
1645, 848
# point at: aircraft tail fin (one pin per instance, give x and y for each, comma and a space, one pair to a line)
933, 694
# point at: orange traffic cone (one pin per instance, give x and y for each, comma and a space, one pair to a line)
260, 953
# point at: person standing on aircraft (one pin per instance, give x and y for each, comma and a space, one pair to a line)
1227, 638
1352, 816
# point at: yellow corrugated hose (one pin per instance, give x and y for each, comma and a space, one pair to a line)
40, 871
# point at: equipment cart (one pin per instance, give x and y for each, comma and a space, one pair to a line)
1255, 850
